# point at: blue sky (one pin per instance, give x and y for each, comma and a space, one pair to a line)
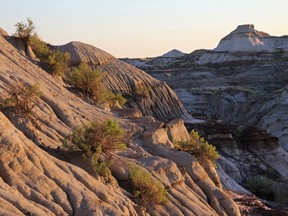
139, 28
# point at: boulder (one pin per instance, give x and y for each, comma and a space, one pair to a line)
177, 131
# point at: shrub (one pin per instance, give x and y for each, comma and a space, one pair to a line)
55, 61
98, 141
197, 146
23, 98
40, 48
89, 82
58, 62
25, 31
146, 187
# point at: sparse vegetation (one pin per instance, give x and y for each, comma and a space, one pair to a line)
90, 82
25, 31
198, 147
55, 61
87, 80
58, 62
98, 142
23, 98
145, 187
40, 48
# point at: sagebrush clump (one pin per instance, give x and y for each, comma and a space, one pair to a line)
98, 141
55, 61
198, 147
90, 82
23, 98
25, 31
21, 101
145, 187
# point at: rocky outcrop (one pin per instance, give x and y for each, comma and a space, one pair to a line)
22, 46
245, 44
245, 152
237, 87
246, 38
203, 179
35, 183
150, 96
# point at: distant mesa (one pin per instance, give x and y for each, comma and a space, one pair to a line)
246, 38
241, 45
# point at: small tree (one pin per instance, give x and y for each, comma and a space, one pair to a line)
98, 142
197, 146
145, 187
25, 31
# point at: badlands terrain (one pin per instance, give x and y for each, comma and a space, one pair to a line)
39, 176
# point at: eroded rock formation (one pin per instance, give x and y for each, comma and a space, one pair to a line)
34, 178
150, 96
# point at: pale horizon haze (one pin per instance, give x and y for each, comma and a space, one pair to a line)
144, 28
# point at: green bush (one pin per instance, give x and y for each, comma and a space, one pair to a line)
148, 189
58, 62
90, 82
40, 48
197, 146
87, 80
25, 31
98, 141
55, 61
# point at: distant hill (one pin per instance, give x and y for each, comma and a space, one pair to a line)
162, 60
173, 54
